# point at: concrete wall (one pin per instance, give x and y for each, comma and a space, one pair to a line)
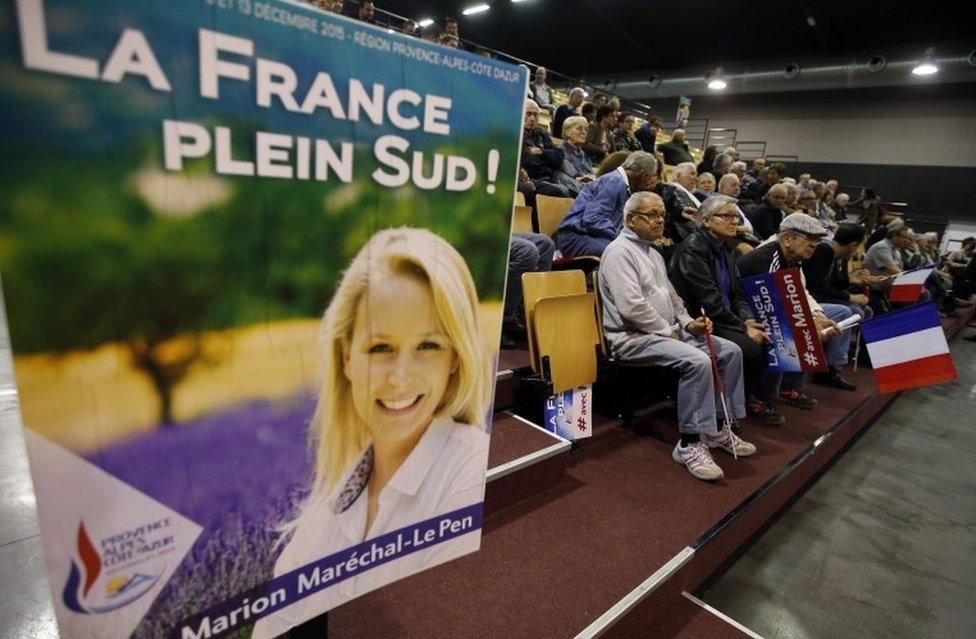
913, 144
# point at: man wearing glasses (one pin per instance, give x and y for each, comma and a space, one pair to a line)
799, 235
705, 274
645, 322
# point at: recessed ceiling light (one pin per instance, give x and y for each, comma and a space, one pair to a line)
426, 22
478, 8
925, 68
717, 84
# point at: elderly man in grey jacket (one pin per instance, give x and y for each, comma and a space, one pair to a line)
646, 322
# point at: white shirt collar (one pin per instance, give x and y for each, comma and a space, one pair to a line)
623, 174
407, 479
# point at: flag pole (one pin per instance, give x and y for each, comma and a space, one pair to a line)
719, 384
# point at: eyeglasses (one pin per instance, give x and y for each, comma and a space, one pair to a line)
729, 217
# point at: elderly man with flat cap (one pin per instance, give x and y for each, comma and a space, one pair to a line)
799, 235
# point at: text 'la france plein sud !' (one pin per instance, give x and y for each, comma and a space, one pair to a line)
276, 85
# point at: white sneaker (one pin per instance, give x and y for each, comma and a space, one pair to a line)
698, 460
730, 443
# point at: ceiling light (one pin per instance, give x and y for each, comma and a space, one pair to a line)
426, 22
717, 84
925, 68
478, 8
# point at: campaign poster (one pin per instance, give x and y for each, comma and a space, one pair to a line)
253, 257
569, 414
684, 112
779, 301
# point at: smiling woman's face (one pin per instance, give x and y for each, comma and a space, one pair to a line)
399, 360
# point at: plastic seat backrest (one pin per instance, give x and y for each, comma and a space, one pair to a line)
567, 336
522, 219
551, 211
540, 285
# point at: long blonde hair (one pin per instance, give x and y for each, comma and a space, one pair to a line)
337, 434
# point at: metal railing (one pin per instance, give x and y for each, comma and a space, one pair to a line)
721, 137
750, 150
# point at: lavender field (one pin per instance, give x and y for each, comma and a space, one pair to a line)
238, 473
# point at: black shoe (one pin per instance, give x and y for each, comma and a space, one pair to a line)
798, 399
514, 335
765, 413
834, 379
971, 338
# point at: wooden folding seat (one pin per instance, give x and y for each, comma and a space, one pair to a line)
522, 220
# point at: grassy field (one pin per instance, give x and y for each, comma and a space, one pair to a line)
87, 400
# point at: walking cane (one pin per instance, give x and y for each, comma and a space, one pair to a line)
719, 384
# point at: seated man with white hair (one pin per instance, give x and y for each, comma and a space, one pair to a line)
684, 181
843, 208
732, 152
676, 150
596, 217
767, 216
645, 322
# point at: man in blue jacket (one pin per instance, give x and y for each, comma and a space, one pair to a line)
597, 214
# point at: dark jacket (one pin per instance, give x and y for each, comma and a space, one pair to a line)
675, 226
675, 153
694, 274
540, 167
768, 258
826, 276
564, 111
765, 220
646, 137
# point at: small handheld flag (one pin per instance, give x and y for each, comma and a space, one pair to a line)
908, 348
908, 286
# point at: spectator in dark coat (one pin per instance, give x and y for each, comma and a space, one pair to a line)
708, 159
767, 216
647, 133
826, 272
598, 143
676, 150
540, 158
772, 175
569, 109
705, 274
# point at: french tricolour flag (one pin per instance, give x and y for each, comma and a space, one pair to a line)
908, 348
908, 286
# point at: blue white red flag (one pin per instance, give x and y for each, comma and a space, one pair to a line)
908, 348
908, 286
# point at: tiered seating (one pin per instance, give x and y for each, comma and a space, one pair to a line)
609, 550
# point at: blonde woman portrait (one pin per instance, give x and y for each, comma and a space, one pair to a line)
398, 432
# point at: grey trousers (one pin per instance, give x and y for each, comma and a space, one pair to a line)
698, 403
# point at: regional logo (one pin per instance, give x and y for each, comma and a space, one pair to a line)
119, 569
